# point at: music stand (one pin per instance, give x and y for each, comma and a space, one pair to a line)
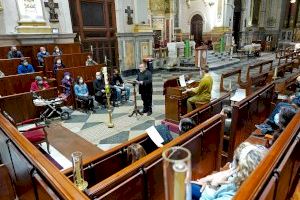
135, 110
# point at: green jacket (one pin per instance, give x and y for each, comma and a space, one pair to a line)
203, 91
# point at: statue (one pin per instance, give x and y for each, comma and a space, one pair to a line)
53, 15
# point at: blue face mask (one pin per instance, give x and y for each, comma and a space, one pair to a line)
276, 119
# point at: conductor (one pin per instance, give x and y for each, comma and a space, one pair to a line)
144, 79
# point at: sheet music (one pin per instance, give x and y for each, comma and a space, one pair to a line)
239, 95
182, 81
190, 81
155, 136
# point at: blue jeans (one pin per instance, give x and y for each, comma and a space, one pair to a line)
119, 91
196, 194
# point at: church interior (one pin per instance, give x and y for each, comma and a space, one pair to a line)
149, 99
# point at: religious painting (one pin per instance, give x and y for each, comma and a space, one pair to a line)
144, 50
128, 50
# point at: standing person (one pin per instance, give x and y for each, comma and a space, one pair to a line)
202, 93
25, 67
144, 79
14, 53
57, 51
82, 93
118, 84
41, 55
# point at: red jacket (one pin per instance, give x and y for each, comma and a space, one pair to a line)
34, 86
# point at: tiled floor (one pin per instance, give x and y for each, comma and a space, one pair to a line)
93, 127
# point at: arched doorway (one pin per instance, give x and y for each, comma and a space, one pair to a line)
197, 28
237, 21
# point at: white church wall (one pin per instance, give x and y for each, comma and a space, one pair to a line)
196, 7
10, 17
121, 16
141, 8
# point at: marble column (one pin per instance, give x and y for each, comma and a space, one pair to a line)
32, 18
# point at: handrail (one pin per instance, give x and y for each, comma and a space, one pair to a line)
62, 185
250, 189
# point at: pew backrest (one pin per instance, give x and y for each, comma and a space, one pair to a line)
259, 65
228, 74
16, 84
10, 66
20, 106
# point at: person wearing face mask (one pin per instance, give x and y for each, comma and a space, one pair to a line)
144, 79
67, 82
57, 65
57, 51
41, 55
118, 84
82, 93
38, 84
25, 67
99, 89
14, 53
90, 61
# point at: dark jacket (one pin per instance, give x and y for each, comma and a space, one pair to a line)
117, 80
56, 67
14, 54
67, 86
146, 77
99, 85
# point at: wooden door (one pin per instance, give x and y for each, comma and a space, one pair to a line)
197, 28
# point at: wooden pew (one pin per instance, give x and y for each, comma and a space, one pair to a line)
259, 65
33, 175
229, 74
248, 112
144, 178
15, 84
256, 81
287, 85
278, 173
285, 67
10, 66
20, 106
69, 60
6, 184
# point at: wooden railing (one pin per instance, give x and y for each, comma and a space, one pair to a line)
25, 161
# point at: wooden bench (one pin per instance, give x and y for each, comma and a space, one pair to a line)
248, 112
283, 68
69, 60
10, 66
20, 106
15, 84
287, 85
234, 72
144, 178
278, 173
261, 66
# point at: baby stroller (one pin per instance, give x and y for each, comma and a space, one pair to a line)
53, 107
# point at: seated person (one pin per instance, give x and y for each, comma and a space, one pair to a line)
38, 84
25, 67
82, 93
202, 93
286, 114
118, 84
135, 152
272, 121
99, 89
57, 51
57, 65
41, 55
1, 74
90, 61
297, 86
185, 125
224, 184
67, 82
14, 53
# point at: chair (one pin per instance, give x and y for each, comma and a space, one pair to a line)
36, 135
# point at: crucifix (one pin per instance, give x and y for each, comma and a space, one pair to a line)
129, 18
53, 15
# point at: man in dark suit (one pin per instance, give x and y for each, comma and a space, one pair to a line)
144, 79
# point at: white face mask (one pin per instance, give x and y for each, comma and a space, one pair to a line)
98, 77
57, 50
90, 59
25, 63
80, 81
276, 119
58, 62
68, 77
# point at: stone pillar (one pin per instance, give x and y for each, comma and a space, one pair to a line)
293, 14
31, 17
